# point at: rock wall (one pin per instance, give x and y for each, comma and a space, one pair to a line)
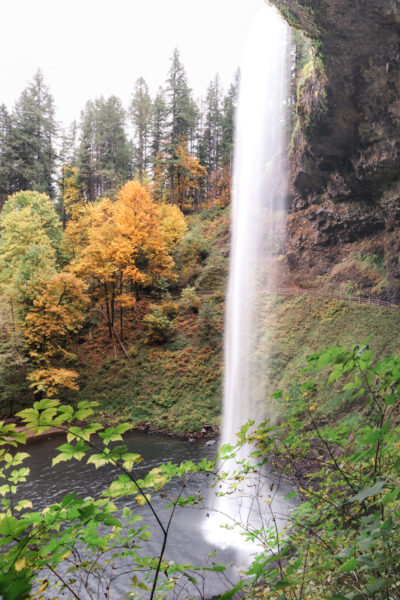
345, 154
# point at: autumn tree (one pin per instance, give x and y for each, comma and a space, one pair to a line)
173, 225
56, 314
189, 176
94, 260
71, 192
13, 360
125, 250
30, 237
42, 302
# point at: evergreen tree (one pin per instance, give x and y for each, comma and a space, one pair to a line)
210, 144
69, 145
158, 126
181, 107
68, 157
141, 111
182, 116
31, 154
104, 153
5, 123
228, 121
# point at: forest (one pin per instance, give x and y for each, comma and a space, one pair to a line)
199, 326
91, 219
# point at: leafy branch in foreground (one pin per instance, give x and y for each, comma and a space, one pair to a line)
86, 544
342, 540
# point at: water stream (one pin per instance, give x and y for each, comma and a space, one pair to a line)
47, 485
258, 211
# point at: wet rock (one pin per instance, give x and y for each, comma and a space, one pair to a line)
345, 158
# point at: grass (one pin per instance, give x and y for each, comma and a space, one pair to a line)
302, 326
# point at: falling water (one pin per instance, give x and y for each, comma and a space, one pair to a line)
258, 208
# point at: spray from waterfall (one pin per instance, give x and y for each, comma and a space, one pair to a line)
259, 194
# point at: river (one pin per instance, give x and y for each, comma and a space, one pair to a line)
186, 543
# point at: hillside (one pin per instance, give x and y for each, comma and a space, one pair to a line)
172, 382
175, 384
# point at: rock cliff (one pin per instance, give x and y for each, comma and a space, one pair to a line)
345, 150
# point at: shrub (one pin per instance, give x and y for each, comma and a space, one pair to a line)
190, 300
158, 326
210, 316
194, 248
170, 309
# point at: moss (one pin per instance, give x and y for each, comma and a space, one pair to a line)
305, 73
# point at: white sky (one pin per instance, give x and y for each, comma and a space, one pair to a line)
86, 48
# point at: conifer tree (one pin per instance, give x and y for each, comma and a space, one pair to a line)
141, 111
158, 125
5, 124
31, 140
182, 116
211, 140
104, 153
228, 121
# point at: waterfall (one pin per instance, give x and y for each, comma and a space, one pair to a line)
259, 193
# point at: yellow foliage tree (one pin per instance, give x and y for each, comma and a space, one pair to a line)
71, 192
173, 225
125, 249
189, 177
56, 314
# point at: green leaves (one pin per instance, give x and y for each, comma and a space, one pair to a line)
69, 451
369, 491
113, 434
349, 565
123, 486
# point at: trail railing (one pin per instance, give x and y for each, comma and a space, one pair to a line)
367, 300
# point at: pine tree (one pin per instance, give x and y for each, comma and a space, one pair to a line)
5, 124
228, 121
182, 116
31, 140
158, 125
211, 140
104, 153
141, 112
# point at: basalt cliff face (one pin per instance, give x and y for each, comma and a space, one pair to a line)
345, 150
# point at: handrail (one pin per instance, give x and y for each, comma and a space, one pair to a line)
368, 300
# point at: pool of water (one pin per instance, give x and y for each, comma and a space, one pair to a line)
189, 540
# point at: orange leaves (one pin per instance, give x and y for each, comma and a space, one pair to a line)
189, 176
124, 246
55, 315
49, 380
140, 247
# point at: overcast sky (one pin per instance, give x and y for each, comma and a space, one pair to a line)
86, 48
